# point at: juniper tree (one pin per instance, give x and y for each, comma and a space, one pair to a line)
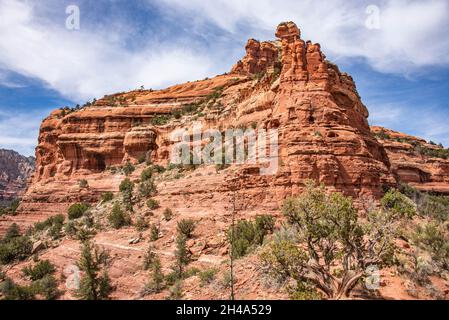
331, 249
95, 282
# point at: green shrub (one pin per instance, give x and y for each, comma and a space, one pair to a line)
182, 256
128, 168
156, 283
40, 270
83, 183
47, 287
148, 258
126, 188
12, 232
141, 159
12, 291
95, 282
141, 224
304, 291
118, 218
168, 214
147, 188
207, 276
107, 196
53, 224
154, 232
158, 168
176, 291
146, 174
186, 227
399, 204
434, 238
152, 204
77, 210
14, 246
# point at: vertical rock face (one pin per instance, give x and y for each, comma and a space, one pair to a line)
260, 57
324, 123
15, 170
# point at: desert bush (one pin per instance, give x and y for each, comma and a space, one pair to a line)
141, 224
118, 218
146, 174
207, 276
154, 232
176, 291
186, 227
434, 238
147, 188
168, 214
107, 196
95, 282
77, 210
247, 234
182, 256
148, 258
329, 235
40, 270
156, 283
128, 168
12, 232
152, 204
83, 183
47, 286
399, 204
14, 246
304, 291
158, 168
126, 188
12, 291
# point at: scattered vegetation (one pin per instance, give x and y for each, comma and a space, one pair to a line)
14, 246
186, 227
247, 234
118, 218
141, 224
39, 271
207, 276
53, 225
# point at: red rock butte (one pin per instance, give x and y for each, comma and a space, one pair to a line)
285, 84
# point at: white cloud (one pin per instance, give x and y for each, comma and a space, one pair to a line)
429, 123
84, 64
18, 131
412, 33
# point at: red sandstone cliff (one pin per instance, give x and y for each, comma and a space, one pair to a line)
285, 84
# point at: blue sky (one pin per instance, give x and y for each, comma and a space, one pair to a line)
400, 63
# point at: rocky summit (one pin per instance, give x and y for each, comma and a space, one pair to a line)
285, 84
